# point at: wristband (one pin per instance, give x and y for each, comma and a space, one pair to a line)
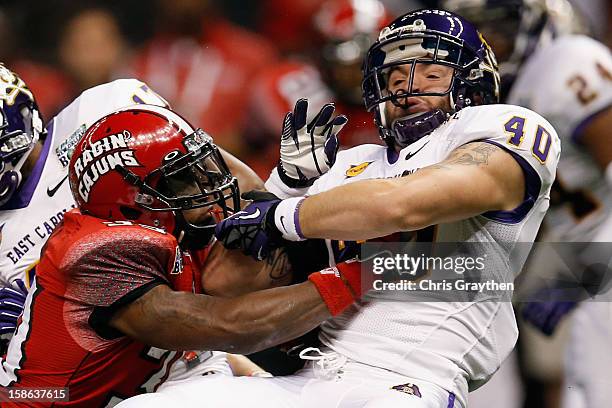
339, 287
286, 219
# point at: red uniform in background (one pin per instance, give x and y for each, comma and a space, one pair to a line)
52, 88
207, 81
277, 88
88, 269
339, 34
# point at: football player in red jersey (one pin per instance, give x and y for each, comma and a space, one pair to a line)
329, 69
120, 277
202, 64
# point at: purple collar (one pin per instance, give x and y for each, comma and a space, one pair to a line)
392, 155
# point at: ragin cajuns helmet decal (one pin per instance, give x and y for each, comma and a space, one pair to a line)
101, 158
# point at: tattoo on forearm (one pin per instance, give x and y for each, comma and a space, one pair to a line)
278, 265
471, 154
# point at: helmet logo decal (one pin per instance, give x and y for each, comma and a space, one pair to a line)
171, 156
455, 23
101, 157
13, 85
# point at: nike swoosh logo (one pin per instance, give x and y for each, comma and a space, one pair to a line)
282, 218
259, 254
52, 190
250, 216
409, 155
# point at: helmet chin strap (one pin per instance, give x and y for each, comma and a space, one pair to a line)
193, 237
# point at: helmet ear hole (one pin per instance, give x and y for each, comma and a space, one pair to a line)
130, 213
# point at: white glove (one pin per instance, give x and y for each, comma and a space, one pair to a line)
307, 151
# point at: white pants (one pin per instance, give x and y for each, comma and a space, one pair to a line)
209, 362
588, 378
353, 385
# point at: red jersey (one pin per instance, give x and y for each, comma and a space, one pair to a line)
88, 269
278, 87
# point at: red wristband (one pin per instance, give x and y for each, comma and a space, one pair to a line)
339, 287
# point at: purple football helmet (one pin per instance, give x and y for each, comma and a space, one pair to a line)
20, 128
428, 36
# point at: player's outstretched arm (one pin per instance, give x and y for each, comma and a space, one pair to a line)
475, 178
185, 321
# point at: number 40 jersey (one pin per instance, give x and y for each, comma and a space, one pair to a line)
455, 344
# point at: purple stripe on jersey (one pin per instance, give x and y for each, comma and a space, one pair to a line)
451, 400
24, 194
576, 135
532, 191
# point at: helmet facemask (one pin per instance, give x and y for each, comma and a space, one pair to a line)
186, 182
20, 129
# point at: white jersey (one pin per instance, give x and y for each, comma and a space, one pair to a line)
568, 82
455, 345
28, 219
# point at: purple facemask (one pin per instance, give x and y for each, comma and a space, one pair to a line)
409, 129
9, 182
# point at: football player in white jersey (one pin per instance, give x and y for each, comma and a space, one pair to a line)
456, 166
34, 193
566, 77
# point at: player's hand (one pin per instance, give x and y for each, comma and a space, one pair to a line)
546, 315
308, 150
12, 301
252, 230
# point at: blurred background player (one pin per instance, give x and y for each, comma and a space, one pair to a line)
203, 64
326, 68
550, 66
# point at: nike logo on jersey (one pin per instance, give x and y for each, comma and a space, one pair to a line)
250, 216
411, 154
52, 190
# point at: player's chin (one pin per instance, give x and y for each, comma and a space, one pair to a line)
199, 216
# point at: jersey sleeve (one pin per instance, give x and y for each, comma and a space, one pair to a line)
71, 123
349, 162
526, 136
568, 83
114, 267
